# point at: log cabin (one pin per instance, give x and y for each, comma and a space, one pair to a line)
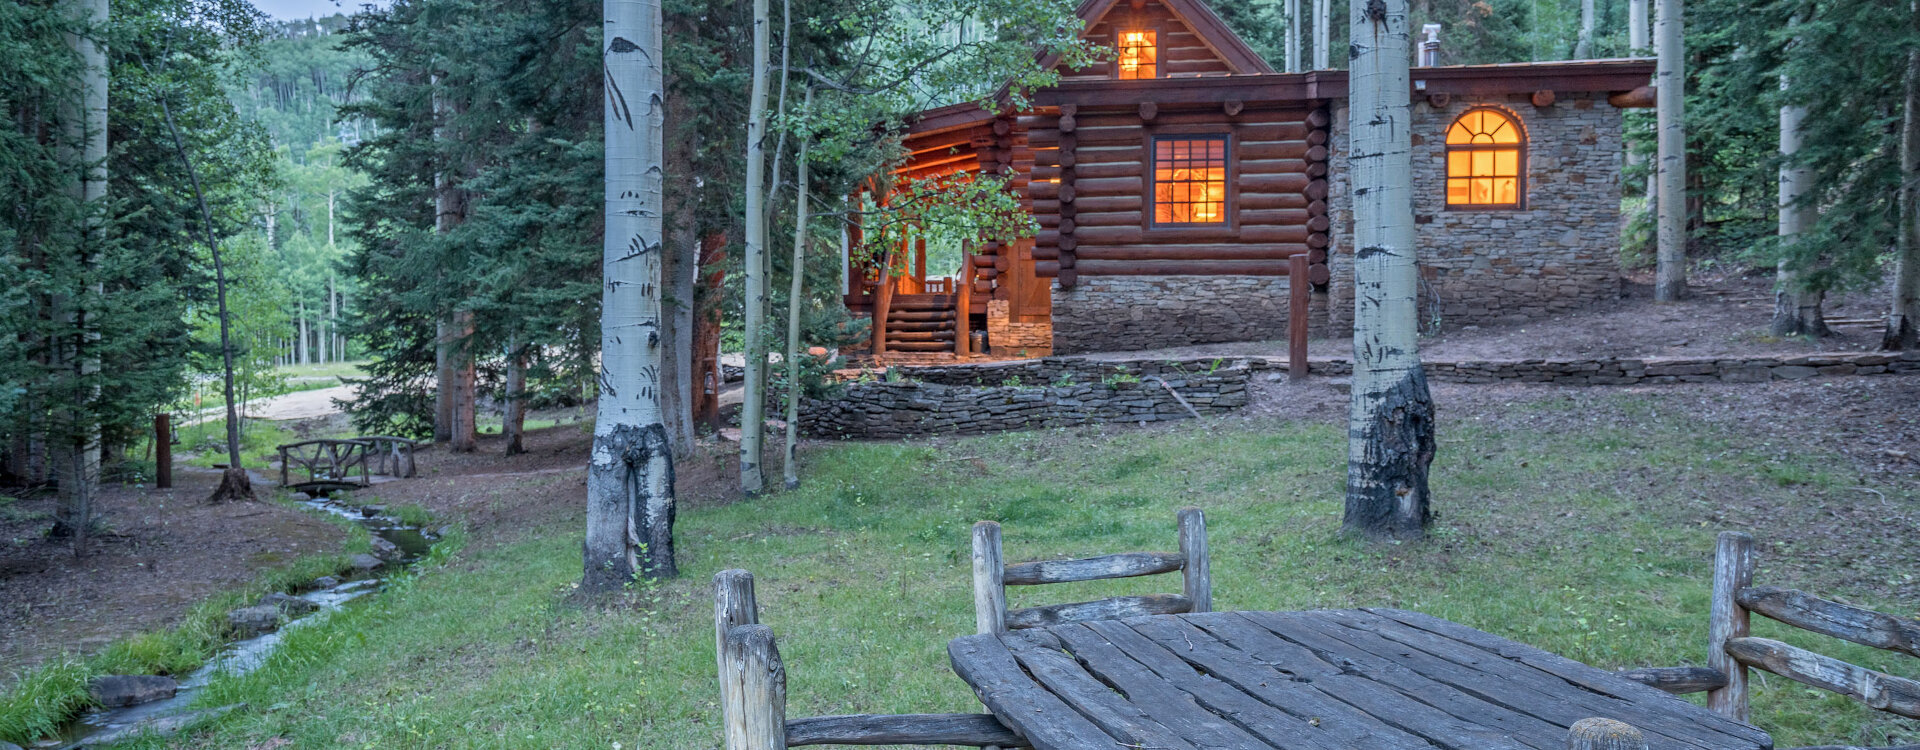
1172, 184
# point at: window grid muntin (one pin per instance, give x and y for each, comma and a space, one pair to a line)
1486, 160
1138, 55
1189, 184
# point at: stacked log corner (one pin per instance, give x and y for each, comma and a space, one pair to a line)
1319, 146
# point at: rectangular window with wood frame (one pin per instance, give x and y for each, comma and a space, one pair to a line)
1139, 55
1190, 180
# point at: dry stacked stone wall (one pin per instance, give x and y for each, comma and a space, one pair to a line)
1647, 371
1122, 313
1559, 252
1050, 392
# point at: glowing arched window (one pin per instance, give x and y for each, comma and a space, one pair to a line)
1139, 57
1484, 160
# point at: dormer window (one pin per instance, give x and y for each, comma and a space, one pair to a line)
1139, 56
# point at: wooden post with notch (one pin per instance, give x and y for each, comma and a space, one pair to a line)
1196, 573
733, 606
163, 451
759, 718
1297, 289
1732, 571
1604, 734
989, 579
963, 304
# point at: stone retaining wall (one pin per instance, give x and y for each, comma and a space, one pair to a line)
1021, 395
1109, 313
1645, 371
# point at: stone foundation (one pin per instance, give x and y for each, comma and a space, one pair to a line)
1017, 339
1644, 371
1108, 313
1558, 253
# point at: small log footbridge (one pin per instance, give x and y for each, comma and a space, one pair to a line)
330, 465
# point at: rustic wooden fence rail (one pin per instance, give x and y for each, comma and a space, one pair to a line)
1732, 649
330, 464
991, 576
753, 693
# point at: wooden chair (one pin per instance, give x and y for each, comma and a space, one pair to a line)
1731, 650
991, 577
753, 693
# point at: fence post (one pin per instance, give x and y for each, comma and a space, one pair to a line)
989, 579
1297, 287
1604, 734
1196, 573
163, 451
733, 606
759, 718
1732, 571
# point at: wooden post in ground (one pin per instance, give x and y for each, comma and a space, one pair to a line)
1732, 571
963, 305
733, 606
989, 579
882, 300
1297, 290
1197, 574
1604, 734
163, 451
759, 718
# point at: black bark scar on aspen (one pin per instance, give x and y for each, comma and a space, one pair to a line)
1403, 431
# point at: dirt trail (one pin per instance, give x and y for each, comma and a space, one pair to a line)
296, 405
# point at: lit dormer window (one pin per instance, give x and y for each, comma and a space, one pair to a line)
1138, 56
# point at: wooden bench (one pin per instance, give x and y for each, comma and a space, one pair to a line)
753, 692
991, 577
1732, 650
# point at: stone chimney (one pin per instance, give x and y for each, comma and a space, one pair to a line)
1430, 47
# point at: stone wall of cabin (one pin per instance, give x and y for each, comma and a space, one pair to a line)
1559, 253
1120, 313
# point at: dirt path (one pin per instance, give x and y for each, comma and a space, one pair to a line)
290, 406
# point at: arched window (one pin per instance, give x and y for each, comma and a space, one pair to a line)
1485, 160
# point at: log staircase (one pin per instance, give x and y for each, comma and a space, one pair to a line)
921, 323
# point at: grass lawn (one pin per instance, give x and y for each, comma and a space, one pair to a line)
1594, 543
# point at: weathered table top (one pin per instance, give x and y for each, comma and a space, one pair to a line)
1374, 679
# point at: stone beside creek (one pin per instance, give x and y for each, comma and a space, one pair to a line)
122, 690
386, 551
364, 562
254, 620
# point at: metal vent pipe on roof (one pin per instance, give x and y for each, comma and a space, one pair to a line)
1430, 47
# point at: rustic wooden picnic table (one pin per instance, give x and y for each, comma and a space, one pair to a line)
1378, 679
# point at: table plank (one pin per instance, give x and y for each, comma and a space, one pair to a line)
1064, 677
1267, 682
1586, 677
1439, 714
1523, 685
1005, 689
1174, 708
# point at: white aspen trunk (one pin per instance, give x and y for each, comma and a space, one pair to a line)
1583, 49
630, 505
513, 422
327, 323
1670, 78
1322, 34
330, 195
300, 323
1796, 309
1903, 321
753, 406
1637, 28
795, 289
1293, 36
1390, 440
76, 454
443, 222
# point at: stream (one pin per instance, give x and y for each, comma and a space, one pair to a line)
239, 657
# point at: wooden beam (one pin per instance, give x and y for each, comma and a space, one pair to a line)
989, 583
1732, 571
1122, 565
1845, 621
1197, 574
974, 730
1678, 680
1115, 608
1896, 695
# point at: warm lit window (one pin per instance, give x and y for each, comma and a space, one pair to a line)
1138, 56
1483, 160
1190, 180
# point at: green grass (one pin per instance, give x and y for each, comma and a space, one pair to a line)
208, 442
1592, 543
329, 371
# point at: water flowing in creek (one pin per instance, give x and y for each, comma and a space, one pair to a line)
243, 656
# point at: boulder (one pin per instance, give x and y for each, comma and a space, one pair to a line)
293, 606
387, 551
323, 582
364, 562
249, 621
122, 690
